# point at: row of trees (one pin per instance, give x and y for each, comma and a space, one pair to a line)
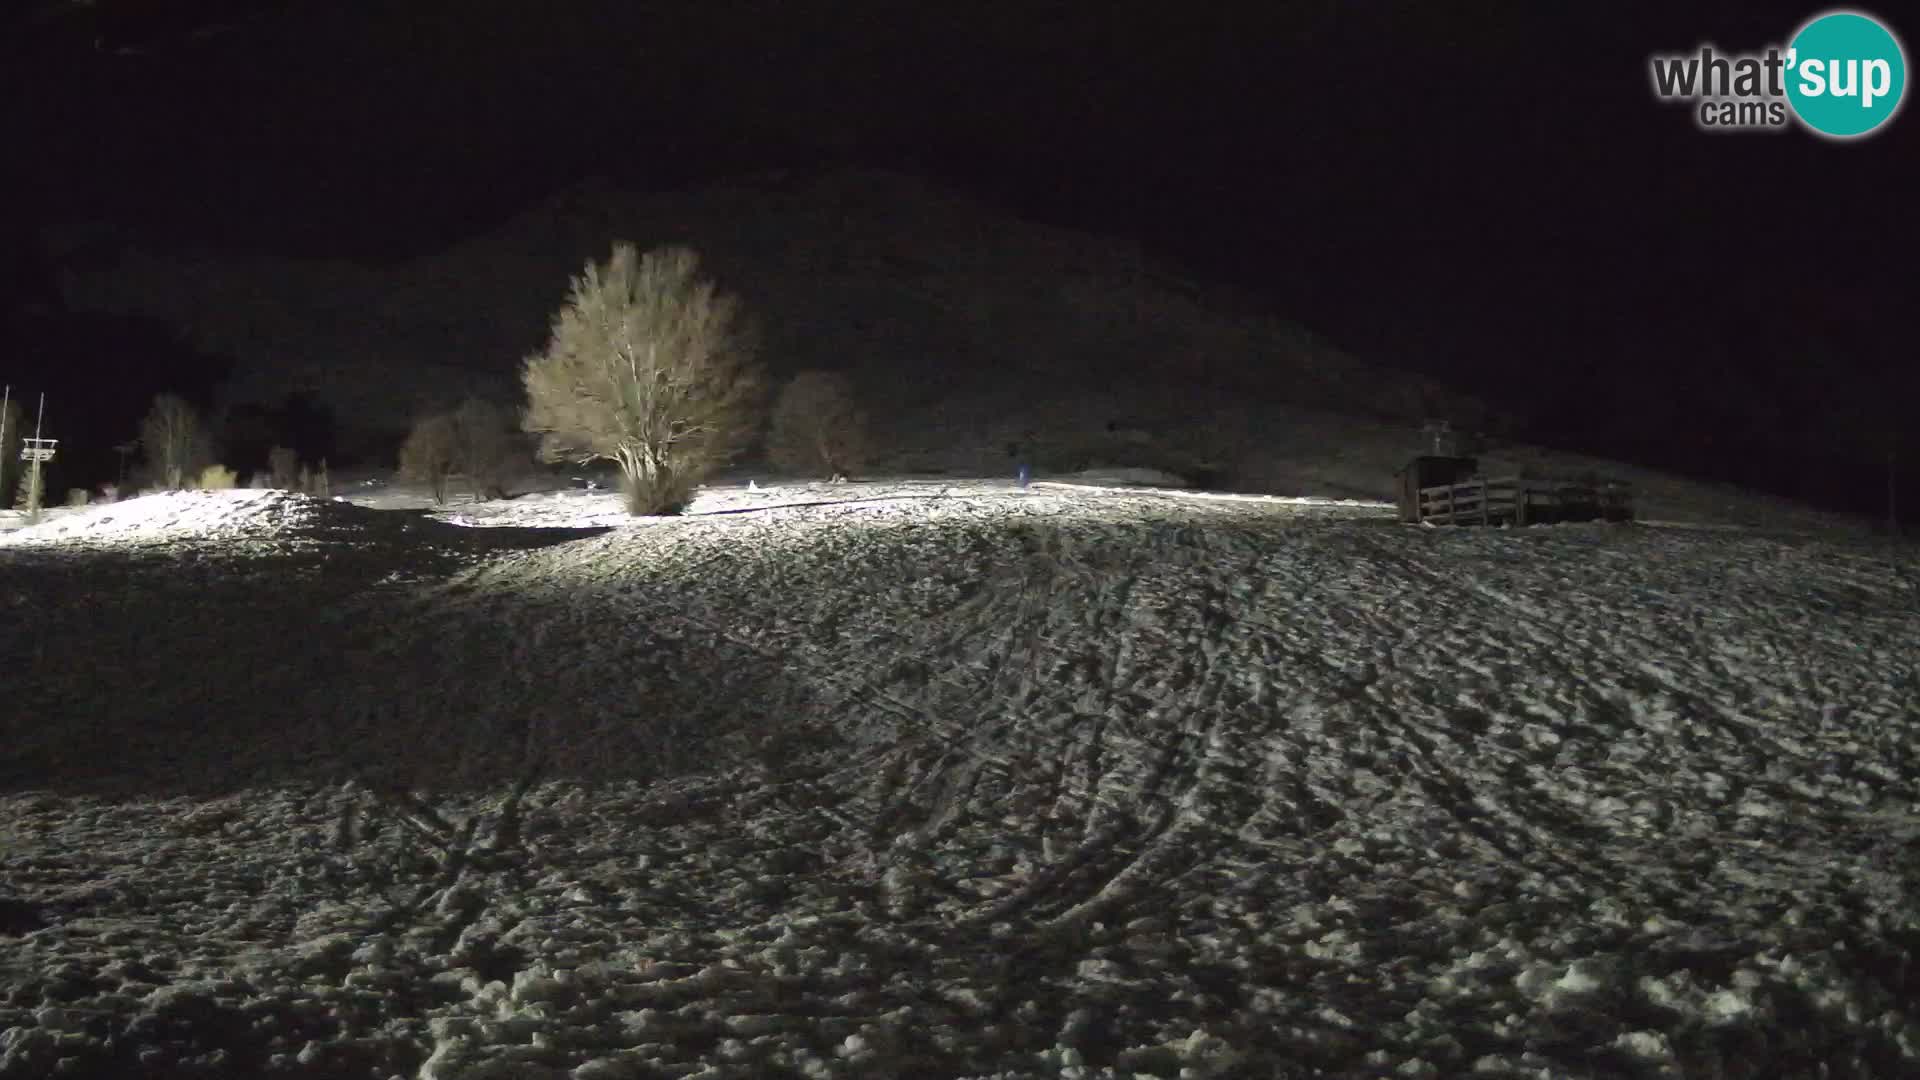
816, 426
479, 441
648, 366
177, 447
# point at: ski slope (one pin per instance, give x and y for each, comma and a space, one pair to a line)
949, 779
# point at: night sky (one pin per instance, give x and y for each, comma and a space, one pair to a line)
1483, 191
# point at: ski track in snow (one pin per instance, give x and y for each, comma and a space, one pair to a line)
936, 779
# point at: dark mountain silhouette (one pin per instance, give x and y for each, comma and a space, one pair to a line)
920, 292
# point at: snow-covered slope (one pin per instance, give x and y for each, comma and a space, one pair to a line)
950, 779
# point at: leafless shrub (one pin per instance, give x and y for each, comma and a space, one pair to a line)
647, 366
217, 478
29, 494
284, 465
818, 425
428, 454
176, 442
487, 447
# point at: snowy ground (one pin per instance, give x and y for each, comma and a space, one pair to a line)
949, 779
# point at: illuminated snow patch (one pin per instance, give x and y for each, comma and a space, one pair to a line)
182, 514
1260, 782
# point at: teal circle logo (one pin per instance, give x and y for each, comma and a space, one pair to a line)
1846, 74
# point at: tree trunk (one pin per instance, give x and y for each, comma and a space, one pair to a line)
649, 480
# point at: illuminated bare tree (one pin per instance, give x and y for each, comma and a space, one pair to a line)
648, 366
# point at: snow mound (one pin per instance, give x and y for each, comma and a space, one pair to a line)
177, 514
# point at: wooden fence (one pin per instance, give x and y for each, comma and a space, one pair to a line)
1520, 500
